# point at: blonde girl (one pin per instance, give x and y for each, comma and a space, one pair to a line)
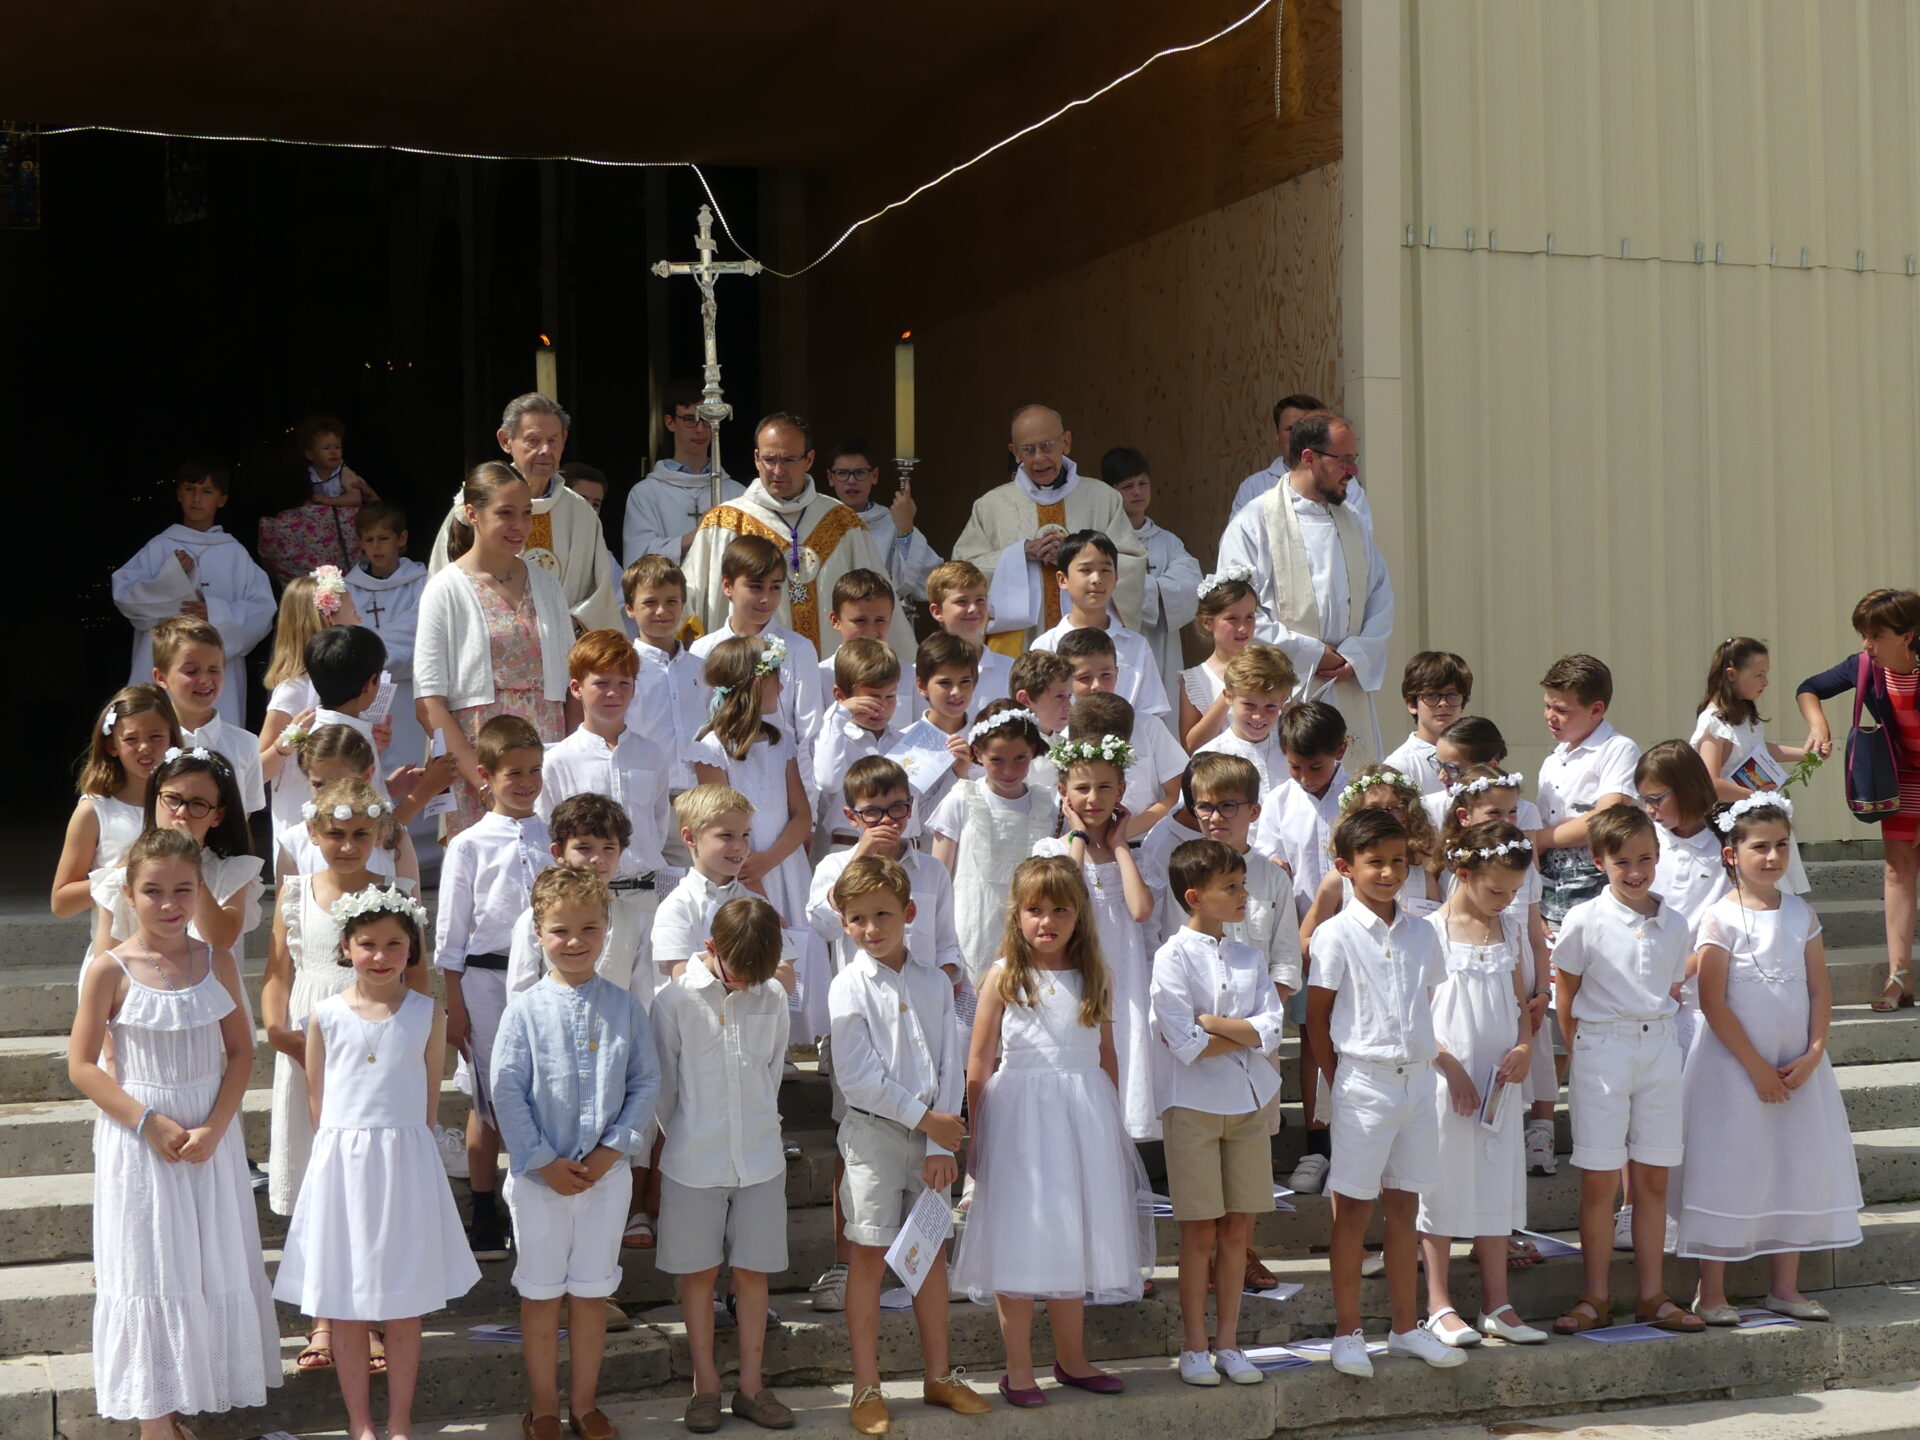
1091, 832
183, 1319
741, 747
1228, 608
1486, 1036
308, 605
1050, 1138
1385, 788
1770, 1166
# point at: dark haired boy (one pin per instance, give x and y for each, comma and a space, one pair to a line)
1435, 687
1590, 769
852, 471
1089, 564
663, 511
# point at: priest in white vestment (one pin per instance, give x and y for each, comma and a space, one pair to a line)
1015, 530
664, 509
196, 568
1325, 598
821, 538
566, 540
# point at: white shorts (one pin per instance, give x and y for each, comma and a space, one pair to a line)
485, 994
703, 1226
1385, 1129
1623, 1090
568, 1244
886, 1171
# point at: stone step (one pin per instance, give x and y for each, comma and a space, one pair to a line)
1871, 1341
1844, 880
1847, 923
40, 999
38, 939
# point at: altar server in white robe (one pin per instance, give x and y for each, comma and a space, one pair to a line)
664, 509
1325, 598
1172, 594
821, 538
386, 588
566, 540
1015, 531
852, 471
196, 568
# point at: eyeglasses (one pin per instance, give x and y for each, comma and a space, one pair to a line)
175, 803
1349, 462
876, 814
689, 419
1653, 801
1039, 447
1443, 699
1218, 809
1449, 770
779, 462
850, 474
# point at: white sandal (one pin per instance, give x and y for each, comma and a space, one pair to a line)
1520, 1334
1465, 1338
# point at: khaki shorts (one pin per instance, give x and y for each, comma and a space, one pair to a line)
1218, 1164
886, 1171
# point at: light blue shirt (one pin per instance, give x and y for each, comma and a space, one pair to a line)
574, 1068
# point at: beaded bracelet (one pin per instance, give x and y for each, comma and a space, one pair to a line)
139, 1129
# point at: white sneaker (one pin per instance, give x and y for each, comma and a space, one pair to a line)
1623, 1229
1349, 1354
1196, 1368
452, 1145
1237, 1368
1540, 1157
1419, 1345
1310, 1175
829, 1292
1375, 1265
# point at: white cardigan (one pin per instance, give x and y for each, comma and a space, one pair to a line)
452, 656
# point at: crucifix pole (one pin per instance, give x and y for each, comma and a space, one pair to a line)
705, 270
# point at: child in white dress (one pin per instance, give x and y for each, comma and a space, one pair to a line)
183, 1321
1769, 1167
375, 1240
740, 748
1229, 607
1485, 1034
1092, 780
1049, 1137
1732, 739
306, 608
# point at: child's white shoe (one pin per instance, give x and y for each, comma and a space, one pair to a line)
1540, 1157
1463, 1337
1623, 1229
1237, 1368
1417, 1344
1515, 1333
1310, 1175
1349, 1355
1196, 1368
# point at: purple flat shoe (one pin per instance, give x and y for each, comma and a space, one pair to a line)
1022, 1399
1098, 1384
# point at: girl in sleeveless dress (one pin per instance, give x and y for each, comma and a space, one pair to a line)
1093, 777
1228, 608
1062, 1211
1731, 734
130, 737
1769, 1167
183, 1320
1481, 1020
375, 1239
303, 969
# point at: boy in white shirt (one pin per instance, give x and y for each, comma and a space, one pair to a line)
859, 724
1435, 686
1041, 682
1590, 769
1153, 782
486, 881
909, 558
957, 600
898, 1063
716, 828
863, 610
1218, 1017
386, 588
1618, 968
946, 671
668, 698
1297, 815
190, 664
1369, 1003
721, 1029
1089, 565
1258, 683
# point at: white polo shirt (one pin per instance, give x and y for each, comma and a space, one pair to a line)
1573, 777
1628, 963
1266, 756
1380, 975
1194, 974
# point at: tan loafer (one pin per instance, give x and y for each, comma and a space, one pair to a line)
951, 1392
869, 1413
764, 1410
594, 1425
539, 1427
702, 1415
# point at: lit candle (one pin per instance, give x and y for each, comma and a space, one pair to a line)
546, 371
903, 396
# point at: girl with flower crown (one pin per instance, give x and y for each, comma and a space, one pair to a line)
1225, 618
375, 1242
742, 747
347, 823
1091, 832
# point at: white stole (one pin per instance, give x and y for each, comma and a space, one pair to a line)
1297, 606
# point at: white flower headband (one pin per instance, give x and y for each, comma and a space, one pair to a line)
1378, 777
772, 658
1511, 781
329, 589
110, 719
1759, 800
1488, 852
1241, 573
1110, 748
378, 902
199, 752
311, 812
1000, 722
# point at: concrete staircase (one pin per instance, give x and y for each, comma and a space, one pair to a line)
46, 1293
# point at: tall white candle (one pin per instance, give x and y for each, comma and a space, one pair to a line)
903, 397
546, 371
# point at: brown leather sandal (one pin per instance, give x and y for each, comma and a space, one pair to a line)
1599, 1316
1680, 1322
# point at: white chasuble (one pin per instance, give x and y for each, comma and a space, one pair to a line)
154, 585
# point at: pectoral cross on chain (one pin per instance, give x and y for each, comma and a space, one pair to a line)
705, 270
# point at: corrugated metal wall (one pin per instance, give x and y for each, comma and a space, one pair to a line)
1661, 340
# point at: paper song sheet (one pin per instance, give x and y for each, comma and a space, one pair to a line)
921, 1240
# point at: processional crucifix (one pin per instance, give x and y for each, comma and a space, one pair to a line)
705, 270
